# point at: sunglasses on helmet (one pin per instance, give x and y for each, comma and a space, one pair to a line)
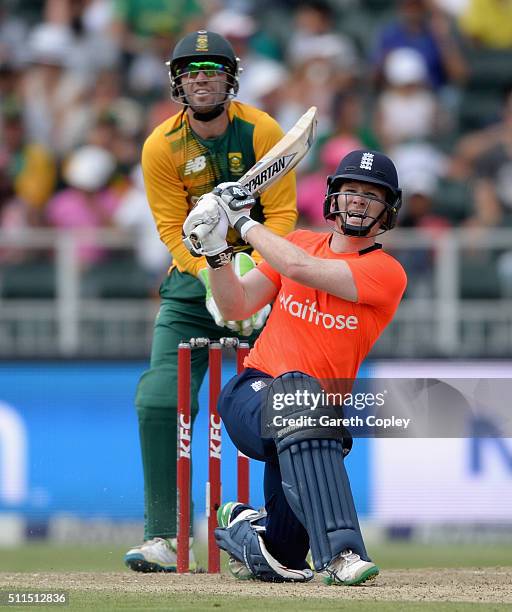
207, 68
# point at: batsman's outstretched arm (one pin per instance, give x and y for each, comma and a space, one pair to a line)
240, 297
331, 275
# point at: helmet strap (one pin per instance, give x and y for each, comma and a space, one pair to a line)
210, 115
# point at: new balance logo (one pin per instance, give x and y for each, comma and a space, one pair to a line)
195, 165
258, 385
367, 161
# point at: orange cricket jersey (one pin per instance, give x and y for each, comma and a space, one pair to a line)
318, 333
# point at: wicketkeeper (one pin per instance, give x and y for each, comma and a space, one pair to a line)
334, 294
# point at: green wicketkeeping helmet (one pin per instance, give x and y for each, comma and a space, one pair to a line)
203, 46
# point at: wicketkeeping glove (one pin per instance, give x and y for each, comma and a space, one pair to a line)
243, 263
237, 202
209, 216
211, 306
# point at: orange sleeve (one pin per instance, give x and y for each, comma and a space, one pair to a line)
272, 275
266, 269
380, 280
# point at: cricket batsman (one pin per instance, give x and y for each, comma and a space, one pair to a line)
334, 294
214, 138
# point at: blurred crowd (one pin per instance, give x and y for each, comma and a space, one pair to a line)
83, 82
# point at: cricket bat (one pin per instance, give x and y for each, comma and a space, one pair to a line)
277, 162
283, 156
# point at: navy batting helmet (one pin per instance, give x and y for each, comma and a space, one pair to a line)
368, 167
201, 47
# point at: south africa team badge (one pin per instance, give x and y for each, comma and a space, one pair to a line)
236, 163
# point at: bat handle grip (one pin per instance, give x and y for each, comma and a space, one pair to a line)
200, 231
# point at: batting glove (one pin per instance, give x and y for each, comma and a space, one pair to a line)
204, 232
236, 202
243, 263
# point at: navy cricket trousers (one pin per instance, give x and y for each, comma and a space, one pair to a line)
239, 406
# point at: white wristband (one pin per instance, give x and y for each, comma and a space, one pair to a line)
244, 224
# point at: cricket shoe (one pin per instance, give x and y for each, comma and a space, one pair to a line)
227, 515
157, 555
349, 569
